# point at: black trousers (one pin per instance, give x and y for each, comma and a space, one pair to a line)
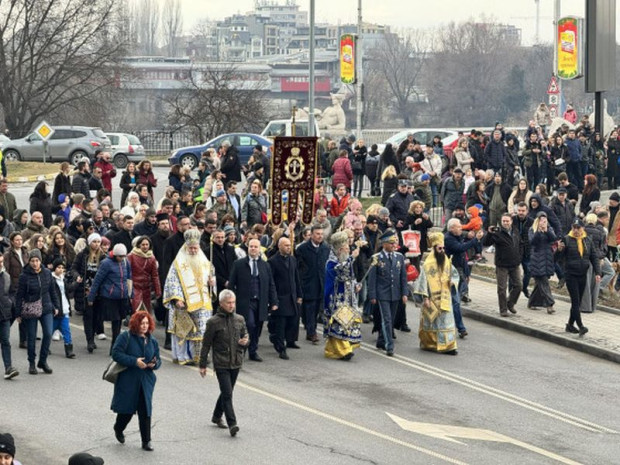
283, 330
93, 322
400, 319
144, 421
575, 284
116, 330
224, 404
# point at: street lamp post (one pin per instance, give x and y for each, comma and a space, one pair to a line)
311, 78
360, 73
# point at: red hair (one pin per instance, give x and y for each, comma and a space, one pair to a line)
136, 320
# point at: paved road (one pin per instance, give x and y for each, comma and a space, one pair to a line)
543, 403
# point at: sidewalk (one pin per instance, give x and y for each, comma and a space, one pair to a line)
602, 340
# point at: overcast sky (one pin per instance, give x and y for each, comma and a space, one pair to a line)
407, 13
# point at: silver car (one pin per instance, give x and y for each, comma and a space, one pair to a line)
125, 148
68, 143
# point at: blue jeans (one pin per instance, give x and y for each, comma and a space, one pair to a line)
434, 193
456, 309
5, 333
387, 308
47, 321
63, 325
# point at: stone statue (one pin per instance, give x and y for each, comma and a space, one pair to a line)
608, 121
332, 118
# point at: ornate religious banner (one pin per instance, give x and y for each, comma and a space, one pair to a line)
293, 169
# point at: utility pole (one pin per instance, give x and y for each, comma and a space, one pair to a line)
311, 131
360, 73
556, 19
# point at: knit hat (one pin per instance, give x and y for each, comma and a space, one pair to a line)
84, 458
425, 177
615, 196
62, 198
229, 230
56, 263
93, 237
162, 217
34, 253
119, 250
105, 241
220, 192
7, 444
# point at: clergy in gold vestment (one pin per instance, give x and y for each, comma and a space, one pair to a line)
187, 297
437, 329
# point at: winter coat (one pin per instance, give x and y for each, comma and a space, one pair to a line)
222, 335
144, 273
551, 217
596, 233
613, 158
359, 158
370, 164
541, 260
231, 166
432, 164
44, 206
80, 185
338, 206
6, 297
398, 205
463, 159
126, 351
126, 180
33, 286
62, 185
508, 247
69, 290
542, 117
390, 185
13, 266
253, 208
288, 285
108, 171
495, 153
423, 227
111, 280
5, 233
342, 172
573, 146
239, 283
565, 214
586, 199
570, 115
576, 264
175, 182
311, 261
456, 247
451, 194
148, 179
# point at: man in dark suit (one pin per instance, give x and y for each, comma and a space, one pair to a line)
234, 200
222, 259
284, 321
312, 256
251, 280
387, 286
158, 240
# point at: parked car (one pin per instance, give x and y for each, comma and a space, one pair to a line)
284, 128
449, 138
3, 140
68, 143
125, 148
244, 142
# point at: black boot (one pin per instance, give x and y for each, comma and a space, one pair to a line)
45, 367
168, 341
69, 351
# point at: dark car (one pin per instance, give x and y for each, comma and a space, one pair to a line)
244, 142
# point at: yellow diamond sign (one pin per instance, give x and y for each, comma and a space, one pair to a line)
44, 130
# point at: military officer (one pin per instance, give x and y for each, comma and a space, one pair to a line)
387, 286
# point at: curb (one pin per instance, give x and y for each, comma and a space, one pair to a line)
602, 308
575, 344
34, 178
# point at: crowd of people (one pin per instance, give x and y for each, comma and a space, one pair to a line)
206, 262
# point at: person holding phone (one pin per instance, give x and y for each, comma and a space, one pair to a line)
137, 350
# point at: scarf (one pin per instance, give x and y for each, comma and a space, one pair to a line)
138, 251
579, 241
439, 282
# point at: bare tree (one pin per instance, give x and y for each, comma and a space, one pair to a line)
55, 54
172, 25
217, 99
148, 20
400, 61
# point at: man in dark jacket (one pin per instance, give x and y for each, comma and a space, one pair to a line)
398, 204
452, 192
312, 256
80, 184
227, 334
251, 280
148, 226
158, 240
222, 258
456, 247
231, 166
537, 206
125, 235
573, 165
508, 253
285, 320
495, 152
522, 222
564, 210
6, 318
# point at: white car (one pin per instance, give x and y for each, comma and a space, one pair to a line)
449, 138
125, 148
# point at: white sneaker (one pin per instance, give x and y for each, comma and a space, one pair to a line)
56, 336
101, 337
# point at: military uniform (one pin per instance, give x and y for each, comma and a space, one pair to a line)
387, 284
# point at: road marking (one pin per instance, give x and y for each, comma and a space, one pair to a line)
327, 416
491, 391
447, 432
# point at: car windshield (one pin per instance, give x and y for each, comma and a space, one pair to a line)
133, 140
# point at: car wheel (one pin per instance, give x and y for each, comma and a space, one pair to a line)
120, 160
189, 161
12, 155
76, 156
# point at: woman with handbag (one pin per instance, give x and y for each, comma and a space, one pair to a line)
36, 301
137, 352
114, 288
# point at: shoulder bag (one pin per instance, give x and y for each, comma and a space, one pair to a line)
110, 374
33, 310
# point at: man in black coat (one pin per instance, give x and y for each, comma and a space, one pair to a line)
148, 227
508, 253
80, 184
125, 235
158, 240
522, 222
251, 280
284, 322
222, 258
231, 166
312, 256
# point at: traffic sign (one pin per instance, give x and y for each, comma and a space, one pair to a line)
44, 130
553, 86
553, 111
554, 99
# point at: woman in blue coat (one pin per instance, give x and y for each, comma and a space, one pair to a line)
137, 350
542, 266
